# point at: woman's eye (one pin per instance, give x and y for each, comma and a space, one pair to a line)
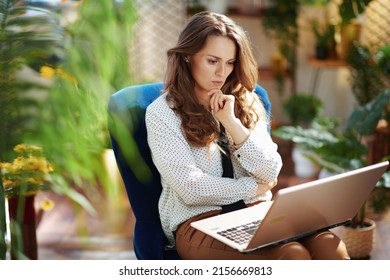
212, 61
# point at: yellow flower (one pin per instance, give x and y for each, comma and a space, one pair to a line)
22, 148
47, 72
27, 173
8, 184
47, 204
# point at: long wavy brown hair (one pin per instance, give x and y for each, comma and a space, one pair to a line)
198, 124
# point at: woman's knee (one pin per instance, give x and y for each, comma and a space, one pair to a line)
293, 251
326, 246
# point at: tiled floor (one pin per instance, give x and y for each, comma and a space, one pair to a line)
67, 233
70, 233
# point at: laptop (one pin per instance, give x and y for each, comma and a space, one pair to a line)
296, 211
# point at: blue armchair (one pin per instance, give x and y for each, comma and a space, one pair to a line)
126, 123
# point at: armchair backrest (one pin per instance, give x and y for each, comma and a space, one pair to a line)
126, 123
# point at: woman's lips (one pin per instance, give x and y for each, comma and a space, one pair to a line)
217, 83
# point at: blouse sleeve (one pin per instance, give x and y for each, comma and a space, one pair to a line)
179, 171
258, 155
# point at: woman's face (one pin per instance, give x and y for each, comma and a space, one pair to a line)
211, 66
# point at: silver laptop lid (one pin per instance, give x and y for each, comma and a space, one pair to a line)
316, 205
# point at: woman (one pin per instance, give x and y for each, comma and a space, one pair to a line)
208, 123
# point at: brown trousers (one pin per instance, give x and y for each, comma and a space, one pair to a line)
192, 244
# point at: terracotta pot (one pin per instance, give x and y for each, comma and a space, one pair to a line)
22, 214
359, 241
321, 52
349, 34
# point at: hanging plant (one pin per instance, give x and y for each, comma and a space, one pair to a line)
280, 23
366, 77
351, 9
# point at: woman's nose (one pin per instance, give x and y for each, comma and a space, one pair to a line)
220, 70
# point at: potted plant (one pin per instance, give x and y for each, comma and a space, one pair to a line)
325, 39
302, 108
350, 27
305, 140
23, 177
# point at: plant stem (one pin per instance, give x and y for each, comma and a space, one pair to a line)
3, 228
362, 214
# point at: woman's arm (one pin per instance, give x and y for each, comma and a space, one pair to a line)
254, 149
179, 170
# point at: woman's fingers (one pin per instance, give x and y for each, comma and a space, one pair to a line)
215, 101
218, 100
263, 188
273, 183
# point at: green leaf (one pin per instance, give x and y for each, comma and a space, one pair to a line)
306, 137
364, 119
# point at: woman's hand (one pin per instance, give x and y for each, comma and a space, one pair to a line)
222, 105
263, 188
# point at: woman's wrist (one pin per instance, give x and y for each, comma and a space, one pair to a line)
263, 188
237, 146
237, 131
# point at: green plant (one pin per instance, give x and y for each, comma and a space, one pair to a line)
382, 59
365, 77
73, 127
351, 9
314, 2
195, 6
302, 108
363, 121
280, 23
324, 35
320, 132
66, 114
23, 44
325, 38
369, 74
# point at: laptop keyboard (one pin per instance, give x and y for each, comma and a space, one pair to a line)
241, 234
